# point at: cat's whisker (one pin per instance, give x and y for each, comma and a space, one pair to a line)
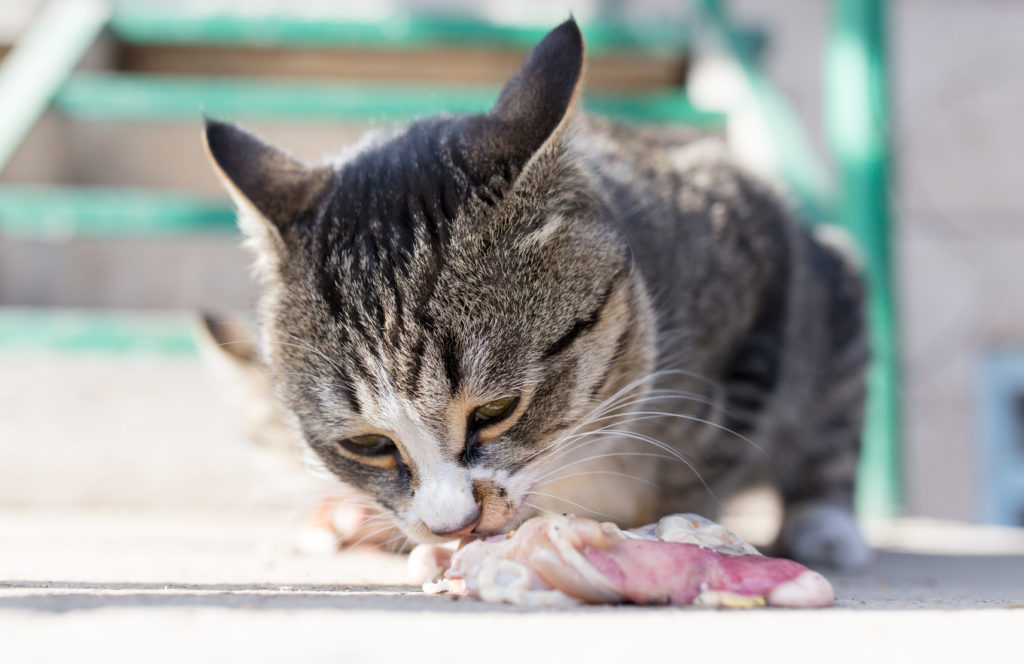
566, 500
624, 391
391, 546
621, 397
623, 418
663, 446
667, 394
573, 442
221, 344
348, 493
339, 499
699, 420
585, 473
304, 346
545, 478
307, 503
536, 507
299, 517
681, 457
637, 416
567, 442
577, 441
598, 410
343, 498
375, 517
632, 435
362, 539
688, 396
605, 455
368, 505
297, 514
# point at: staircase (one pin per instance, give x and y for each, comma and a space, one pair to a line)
113, 228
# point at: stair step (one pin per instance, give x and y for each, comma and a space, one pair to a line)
39, 330
62, 211
142, 97
171, 23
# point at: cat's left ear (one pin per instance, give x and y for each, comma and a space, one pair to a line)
536, 102
274, 187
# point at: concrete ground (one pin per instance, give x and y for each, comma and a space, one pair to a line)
137, 524
120, 586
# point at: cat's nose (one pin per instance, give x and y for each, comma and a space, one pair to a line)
466, 528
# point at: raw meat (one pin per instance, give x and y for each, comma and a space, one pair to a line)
682, 559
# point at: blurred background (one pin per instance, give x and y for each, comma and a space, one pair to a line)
898, 120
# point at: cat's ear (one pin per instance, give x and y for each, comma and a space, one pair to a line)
538, 97
270, 184
536, 102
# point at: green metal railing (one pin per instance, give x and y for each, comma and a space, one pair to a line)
856, 115
801, 168
857, 119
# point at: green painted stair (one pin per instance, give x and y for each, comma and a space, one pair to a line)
135, 97
61, 36
26, 330
63, 212
171, 23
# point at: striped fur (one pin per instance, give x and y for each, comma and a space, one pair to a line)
667, 327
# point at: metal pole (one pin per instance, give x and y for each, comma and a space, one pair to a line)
40, 61
857, 120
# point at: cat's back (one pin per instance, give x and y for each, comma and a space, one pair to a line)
712, 241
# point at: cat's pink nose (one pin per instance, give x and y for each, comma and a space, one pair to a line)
466, 528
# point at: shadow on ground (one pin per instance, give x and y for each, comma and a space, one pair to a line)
896, 581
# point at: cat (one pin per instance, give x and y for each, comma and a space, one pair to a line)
474, 319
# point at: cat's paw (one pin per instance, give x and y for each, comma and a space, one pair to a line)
344, 521
826, 536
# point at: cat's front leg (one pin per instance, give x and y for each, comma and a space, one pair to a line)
822, 437
819, 527
824, 534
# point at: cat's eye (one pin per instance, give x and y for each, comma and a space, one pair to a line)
494, 411
369, 445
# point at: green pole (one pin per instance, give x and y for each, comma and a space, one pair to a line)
792, 150
857, 120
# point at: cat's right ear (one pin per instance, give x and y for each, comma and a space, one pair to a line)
534, 105
272, 188
538, 97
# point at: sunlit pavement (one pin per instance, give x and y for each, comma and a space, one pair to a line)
136, 524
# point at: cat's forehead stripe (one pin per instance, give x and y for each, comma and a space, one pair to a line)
409, 188
451, 353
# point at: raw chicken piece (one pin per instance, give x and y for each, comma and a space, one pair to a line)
682, 559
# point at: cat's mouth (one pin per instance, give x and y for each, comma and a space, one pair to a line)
498, 512
499, 516
515, 515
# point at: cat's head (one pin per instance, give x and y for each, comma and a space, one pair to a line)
446, 302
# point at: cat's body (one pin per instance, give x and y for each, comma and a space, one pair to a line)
479, 316
756, 318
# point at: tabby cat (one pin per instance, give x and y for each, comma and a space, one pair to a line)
473, 319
